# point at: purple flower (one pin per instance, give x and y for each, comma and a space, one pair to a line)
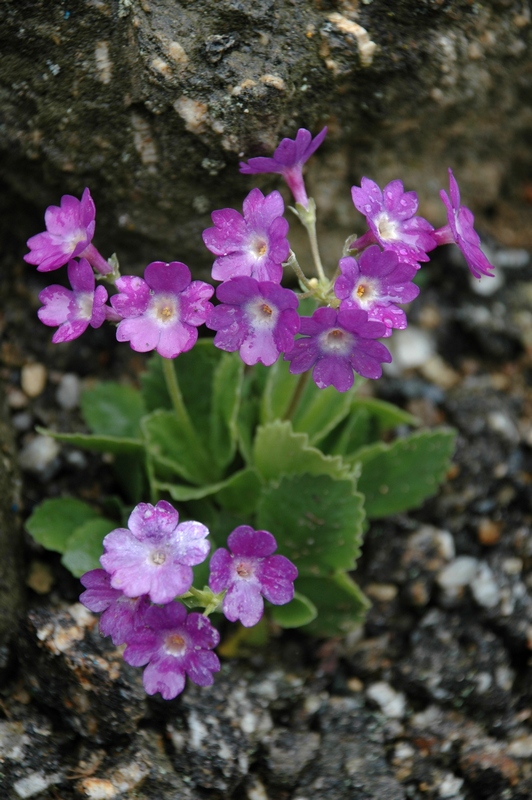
173, 645
249, 573
155, 555
253, 245
121, 615
69, 232
390, 214
162, 311
460, 231
259, 319
335, 344
288, 160
375, 283
73, 311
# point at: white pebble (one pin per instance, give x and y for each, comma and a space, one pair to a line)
35, 783
484, 587
520, 748
460, 572
391, 703
450, 786
411, 348
38, 455
33, 379
68, 391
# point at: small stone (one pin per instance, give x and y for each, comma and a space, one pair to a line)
391, 703
68, 392
381, 592
489, 532
521, 748
437, 371
499, 422
33, 379
16, 399
411, 348
450, 786
22, 421
512, 566
458, 573
355, 685
39, 456
484, 587
40, 577
35, 783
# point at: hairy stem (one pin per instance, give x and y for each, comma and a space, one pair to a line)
297, 395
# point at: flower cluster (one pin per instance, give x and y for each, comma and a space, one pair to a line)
147, 567
255, 315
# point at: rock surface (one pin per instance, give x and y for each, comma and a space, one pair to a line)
152, 103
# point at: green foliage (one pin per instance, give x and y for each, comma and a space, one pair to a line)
312, 480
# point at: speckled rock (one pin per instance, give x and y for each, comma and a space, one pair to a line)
68, 666
153, 102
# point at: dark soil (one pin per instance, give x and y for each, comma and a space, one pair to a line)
431, 699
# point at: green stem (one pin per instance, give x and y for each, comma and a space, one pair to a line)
311, 230
181, 412
303, 280
297, 395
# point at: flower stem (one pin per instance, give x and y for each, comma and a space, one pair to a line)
172, 384
297, 395
293, 262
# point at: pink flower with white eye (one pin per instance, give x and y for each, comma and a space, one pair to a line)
154, 556
391, 216
253, 245
69, 232
460, 231
74, 310
163, 310
250, 572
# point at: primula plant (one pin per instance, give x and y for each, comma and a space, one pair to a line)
257, 431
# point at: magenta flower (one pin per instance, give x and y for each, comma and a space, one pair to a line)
257, 318
173, 645
390, 214
288, 160
375, 283
460, 231
249, 573
73, 311
253, 245
155, 555
336, 343
121, 615
162, 311
69, 232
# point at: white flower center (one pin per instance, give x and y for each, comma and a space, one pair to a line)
175, 644
158, 558
84, 303
164, 309
244, 569
262, 313
365, 292
336, 342
387, 227
259, 246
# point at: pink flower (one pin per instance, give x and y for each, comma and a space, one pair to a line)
390, 214
120, 614
253, 245
288, 160
69, 232
460, 231
257, 318
173, 645
155, 555
336, 343
73, 311
162, 311
375, 283
250, 572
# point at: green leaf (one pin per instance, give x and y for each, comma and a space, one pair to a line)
321, 410
97, 443
113, 409
226, 394
278, 450
85, 547
171, 451
399, 476
340, 603
238, 493
278, 391
54, 521
386, 414
316, 520
299, 611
